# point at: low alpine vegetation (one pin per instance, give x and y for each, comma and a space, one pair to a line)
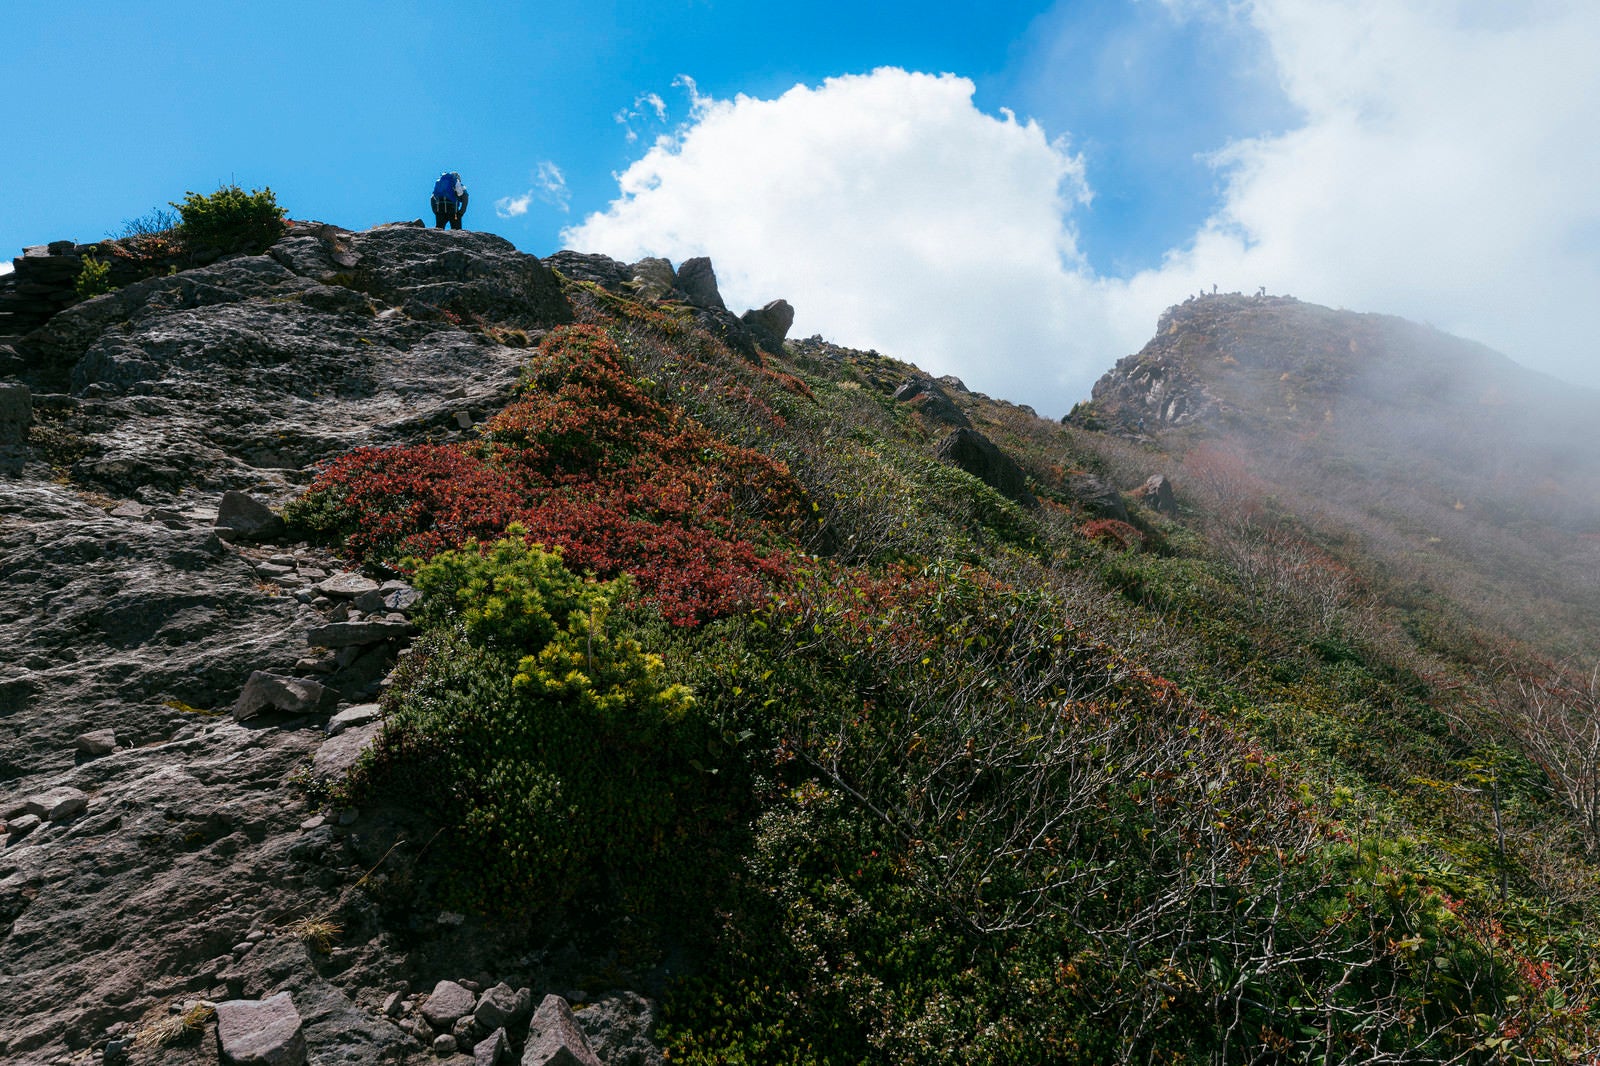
230, 220
720, 665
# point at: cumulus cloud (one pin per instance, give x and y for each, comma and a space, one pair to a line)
549, 186
6, 267
1443, 169
890, 211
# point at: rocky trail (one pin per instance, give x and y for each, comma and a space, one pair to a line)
175, 679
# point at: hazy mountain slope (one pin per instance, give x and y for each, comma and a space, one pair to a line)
1462, 474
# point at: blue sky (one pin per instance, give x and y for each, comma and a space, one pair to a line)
1019, 221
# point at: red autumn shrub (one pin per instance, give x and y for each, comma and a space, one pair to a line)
588, 462
1113, 532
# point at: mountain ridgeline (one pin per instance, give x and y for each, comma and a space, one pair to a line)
405, 633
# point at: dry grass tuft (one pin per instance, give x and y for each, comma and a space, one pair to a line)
178, 1029
317, 933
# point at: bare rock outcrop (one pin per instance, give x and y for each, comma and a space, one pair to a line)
153, 849
980, 457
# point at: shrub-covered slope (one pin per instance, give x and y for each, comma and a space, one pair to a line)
868, 761
856, 716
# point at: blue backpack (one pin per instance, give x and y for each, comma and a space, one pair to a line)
445, 187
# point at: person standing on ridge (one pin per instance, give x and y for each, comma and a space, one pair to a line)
449, 200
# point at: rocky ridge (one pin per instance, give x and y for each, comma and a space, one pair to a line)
178, 678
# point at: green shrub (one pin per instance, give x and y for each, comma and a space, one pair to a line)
231, 219
564, 762
94, 279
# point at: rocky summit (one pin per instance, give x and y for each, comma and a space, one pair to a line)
175, 673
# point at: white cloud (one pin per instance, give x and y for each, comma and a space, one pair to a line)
1445, 169
891, 212
512, 206
549, 186
6, 267
644, 106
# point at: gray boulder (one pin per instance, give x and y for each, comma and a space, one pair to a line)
1097, 496
263, 1032
698, 283
929, 398
599, 270
979, 456
275, 692
555, 1038
770, 324
97, 743
492, 1049
501, 1006
1156, 493
247, 518
621, 1029
350, 717
346, 586
447, 1002
57, 805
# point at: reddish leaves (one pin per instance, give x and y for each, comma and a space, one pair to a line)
590, 463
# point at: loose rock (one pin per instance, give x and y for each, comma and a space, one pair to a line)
57, 805
247, 518
360, 714
446, 1003
491, 1049
351, 634
555, 1039
99, 742
261, 1032
346, 586
267, 691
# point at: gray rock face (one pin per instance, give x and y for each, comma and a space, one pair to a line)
261, 1032
698, 283
238, 374
349, 634
130, 616
16, 413
621, 1030
447, 1002
338, 753
247, 518
978, 456
462, 272
555, 1038
653, 278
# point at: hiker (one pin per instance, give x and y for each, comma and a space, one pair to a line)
449, 200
